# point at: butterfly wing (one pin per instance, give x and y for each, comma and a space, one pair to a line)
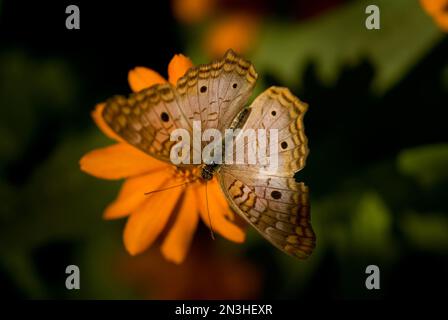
212, 94
146, 119
270, 199
215, 93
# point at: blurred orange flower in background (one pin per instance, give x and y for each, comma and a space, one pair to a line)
233, 24
206, 274
149, 214
237, 31
438, 10
192, 11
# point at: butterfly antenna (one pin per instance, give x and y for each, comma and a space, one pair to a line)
167, 188
208, 212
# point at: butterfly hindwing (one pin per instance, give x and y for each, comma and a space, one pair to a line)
267, 197
278, 207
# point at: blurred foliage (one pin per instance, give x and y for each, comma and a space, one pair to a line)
25, 98
427, 164
339, 38
426, 232
377, 168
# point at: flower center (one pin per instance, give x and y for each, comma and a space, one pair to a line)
188, 175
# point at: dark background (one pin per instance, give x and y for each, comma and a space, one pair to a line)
373, 154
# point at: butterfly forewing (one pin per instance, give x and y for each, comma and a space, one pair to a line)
215, 93
212, 94
147, 118
270, 199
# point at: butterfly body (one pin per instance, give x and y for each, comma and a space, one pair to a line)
208, 171
214, 96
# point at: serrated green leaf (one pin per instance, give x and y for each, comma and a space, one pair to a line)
340, 38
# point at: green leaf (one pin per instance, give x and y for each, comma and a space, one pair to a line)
19, 267
426, 231
59, 200
427, 164
340, 38
101, 273
59, 203
371, 225
25, 98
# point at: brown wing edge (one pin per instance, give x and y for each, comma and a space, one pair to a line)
229, 62
123, 110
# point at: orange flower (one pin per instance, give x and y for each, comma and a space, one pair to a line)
237, 31
438, 10
149, 214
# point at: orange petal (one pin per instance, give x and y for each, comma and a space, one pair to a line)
177, 242
102, 125
441, 20
433, 7
218, 214
118, 161
177, 67
146, 223
215, 192
140, 78
132, 193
